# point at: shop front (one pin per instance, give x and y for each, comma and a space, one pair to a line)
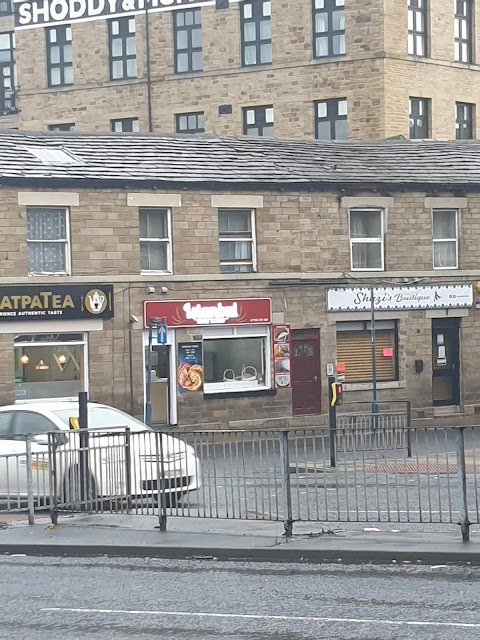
214, 349
46, 329
418, 346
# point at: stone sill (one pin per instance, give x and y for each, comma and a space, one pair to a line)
368, 386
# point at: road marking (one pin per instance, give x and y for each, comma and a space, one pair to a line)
245, 616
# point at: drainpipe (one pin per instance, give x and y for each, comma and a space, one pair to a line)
149, 71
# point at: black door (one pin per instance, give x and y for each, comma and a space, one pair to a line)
446, 362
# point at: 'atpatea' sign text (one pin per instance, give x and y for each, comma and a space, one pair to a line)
41, 13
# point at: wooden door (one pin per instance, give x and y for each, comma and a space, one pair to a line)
306, 397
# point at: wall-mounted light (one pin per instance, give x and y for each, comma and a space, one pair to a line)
41, 366
24, 359
62, 359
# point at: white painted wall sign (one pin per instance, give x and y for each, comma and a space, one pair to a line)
400, 298
42, 13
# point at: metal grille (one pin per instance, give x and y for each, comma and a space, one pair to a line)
382, 473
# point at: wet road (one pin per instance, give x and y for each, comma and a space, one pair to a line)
108, 598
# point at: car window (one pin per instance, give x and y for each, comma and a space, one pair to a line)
29, 422
103, 418
5, 423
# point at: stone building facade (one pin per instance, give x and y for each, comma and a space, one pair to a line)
243, 263
378, 68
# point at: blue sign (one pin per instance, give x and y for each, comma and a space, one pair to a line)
162, 334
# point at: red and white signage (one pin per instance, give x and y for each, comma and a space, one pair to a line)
206, 313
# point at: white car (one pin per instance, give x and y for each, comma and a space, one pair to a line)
123, 458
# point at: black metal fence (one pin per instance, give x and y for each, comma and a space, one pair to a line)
398, 475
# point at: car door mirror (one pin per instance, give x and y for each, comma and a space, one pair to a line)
57, 439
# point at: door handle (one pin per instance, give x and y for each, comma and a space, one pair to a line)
315, 378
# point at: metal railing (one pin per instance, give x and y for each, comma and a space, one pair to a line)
386, 428
277, 475
24, 477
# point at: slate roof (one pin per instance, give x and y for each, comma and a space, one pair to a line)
207, 161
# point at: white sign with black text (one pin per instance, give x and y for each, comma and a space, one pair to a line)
43, 13
400, 298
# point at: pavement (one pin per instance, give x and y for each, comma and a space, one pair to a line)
252, 540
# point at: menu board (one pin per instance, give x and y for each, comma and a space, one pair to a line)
281, 355
190, 367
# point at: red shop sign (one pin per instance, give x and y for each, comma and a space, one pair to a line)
206, 313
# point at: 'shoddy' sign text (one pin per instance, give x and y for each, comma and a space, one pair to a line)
42, 13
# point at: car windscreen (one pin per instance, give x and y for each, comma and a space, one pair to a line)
103, 418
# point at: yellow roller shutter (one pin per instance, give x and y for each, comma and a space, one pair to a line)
354, 348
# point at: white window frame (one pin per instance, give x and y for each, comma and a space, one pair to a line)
258, 331
86, 375
167, 240
252, 240
380, 240
436, 240
66, 242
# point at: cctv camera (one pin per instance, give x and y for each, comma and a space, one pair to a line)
134, 319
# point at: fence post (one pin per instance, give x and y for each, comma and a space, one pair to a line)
409, 432
128, 469
52, 465
286, 487
462, 476
83, 453
31, 505
161, 483
332, 424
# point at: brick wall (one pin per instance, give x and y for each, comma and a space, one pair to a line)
376, 75
293, 82
298, 235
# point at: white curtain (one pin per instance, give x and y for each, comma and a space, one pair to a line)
46, 239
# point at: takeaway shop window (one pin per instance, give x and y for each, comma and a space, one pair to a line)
354, 348
49, 366
236, 359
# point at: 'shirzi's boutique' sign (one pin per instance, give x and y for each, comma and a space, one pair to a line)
400, 298
41, 13
198, 313
60, 302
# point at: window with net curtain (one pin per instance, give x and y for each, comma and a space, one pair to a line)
445, 238
236, 240
329, 27
154, 240
366, 239
47, 241
256, 32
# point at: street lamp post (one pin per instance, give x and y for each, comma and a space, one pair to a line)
152, 323
374, 359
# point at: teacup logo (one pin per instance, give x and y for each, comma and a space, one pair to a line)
96, 301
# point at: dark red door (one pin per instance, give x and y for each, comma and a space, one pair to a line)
305, 372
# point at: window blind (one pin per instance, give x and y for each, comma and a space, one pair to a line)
354, 348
